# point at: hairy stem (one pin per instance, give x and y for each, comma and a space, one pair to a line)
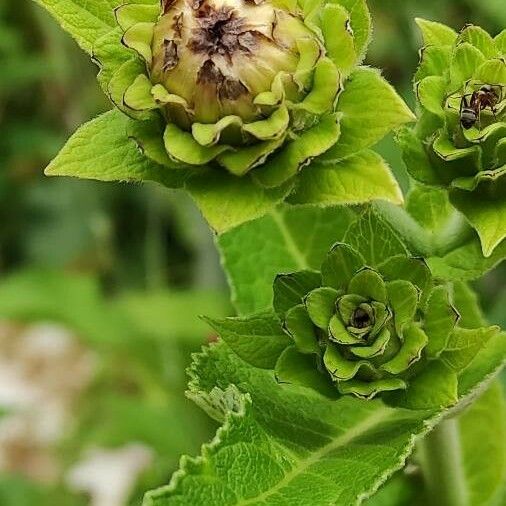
441, 460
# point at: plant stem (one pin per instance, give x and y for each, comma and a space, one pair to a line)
441, 460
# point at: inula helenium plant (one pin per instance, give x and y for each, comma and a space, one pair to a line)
460, 140
246, 103
357, 336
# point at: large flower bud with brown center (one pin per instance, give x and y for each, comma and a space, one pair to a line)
237, 82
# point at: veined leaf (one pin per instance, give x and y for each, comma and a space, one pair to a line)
374, 238
284, 444
101, 150
283, 249
85, 21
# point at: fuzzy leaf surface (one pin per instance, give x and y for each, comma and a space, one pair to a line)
288, 239
283, 444
101, 149
85, 21
360, 178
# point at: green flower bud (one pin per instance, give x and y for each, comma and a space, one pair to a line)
460, 140
239, 84
365, 330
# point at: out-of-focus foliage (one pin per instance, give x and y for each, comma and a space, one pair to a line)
147, 260
135, 348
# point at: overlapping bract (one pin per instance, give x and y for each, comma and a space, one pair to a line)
364, 330
243, 103
460, 139
237, 81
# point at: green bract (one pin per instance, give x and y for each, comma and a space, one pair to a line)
366, 330
363, 319
460, 140
245, 103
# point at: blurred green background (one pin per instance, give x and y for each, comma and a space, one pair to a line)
108, 280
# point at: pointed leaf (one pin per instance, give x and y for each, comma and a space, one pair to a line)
101, 150
300, 327
403, 299
321, 305
340, 265
290, 289
258, 340
436, 387
293, 368
464, 344
436, 34
440, 320
85, 21
374, 238
227, 201
369, 100
355, 180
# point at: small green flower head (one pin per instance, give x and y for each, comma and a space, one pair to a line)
363, 330
240, 83
460, 140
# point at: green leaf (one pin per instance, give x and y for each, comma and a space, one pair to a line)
440, 320
360, 23
321, 305
466, 302
227, 201
290, 289
485, 364
340, 265
480, 39
371, 108
414, 270
300, 327
403, 299
465, 60
500, 42
258, 340
431, 208
369, 284
287, 162
482, 430
85, 21
464, 344
414, 156
431, 92
374, 238
435, 387
434, 61
485, 208
101, 150
339, 39
358, 179
436, 34
293, 368
415, 340
466, 262
278, 441
254, 253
